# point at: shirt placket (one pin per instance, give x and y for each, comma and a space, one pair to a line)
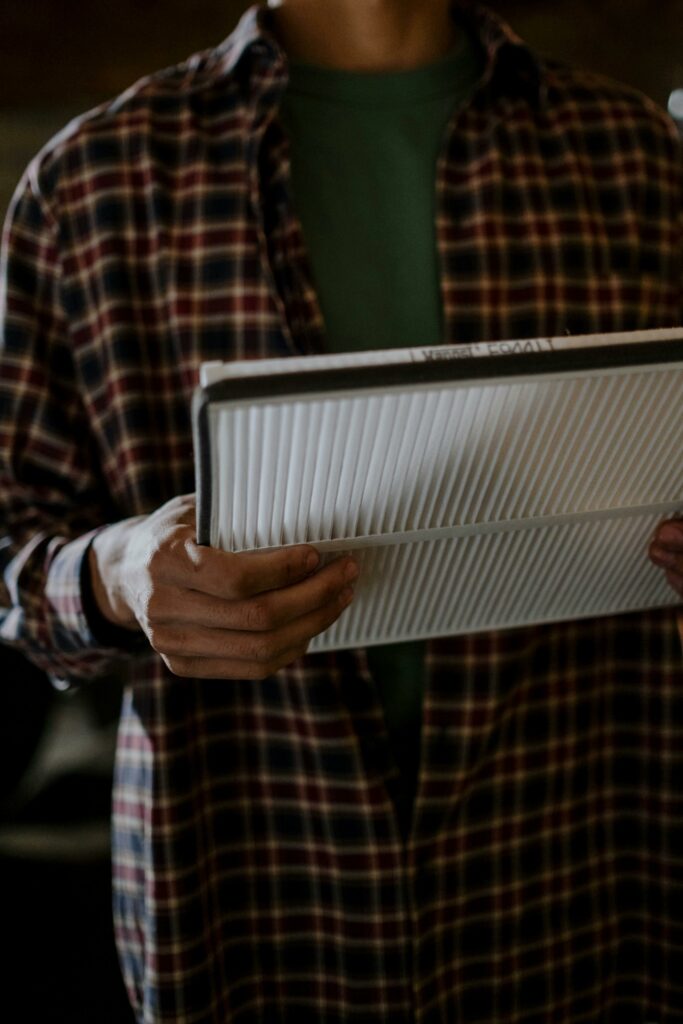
286, 264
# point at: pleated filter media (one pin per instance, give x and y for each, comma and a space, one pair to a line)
479, 487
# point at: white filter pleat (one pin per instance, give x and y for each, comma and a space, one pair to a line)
587, 431
434, 420
577, 490
440, 563
548, 581
449, 563
403, 440
477, 445
584, 577
504, 576
309, 459
349, 468
474, 400
519, 497
410, 451
482, 582
416, 434
284, 417
241, 462
367, 616
504, 586
644, 439
317, 525
254, 419
466, 566
514, 416
389, 565
591, 581
566, 442
438, 513
538, 500
561, 558
333, 501
417, 557
641, 420
662, 471
542, 543
400, 581
490, 434
295, 472
382, 452
447, 509
529, 416
265, 498
343, 632
223, 468
361, 497
376, 571
612, 442
606, 576
454, 565
477, 586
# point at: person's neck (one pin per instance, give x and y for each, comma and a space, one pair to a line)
365, 35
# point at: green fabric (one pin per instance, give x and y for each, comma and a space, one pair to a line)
364, 149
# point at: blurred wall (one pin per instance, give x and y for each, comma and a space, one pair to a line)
59, 57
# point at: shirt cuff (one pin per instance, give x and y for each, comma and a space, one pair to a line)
79, 622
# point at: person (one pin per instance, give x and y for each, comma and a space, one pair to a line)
494, 833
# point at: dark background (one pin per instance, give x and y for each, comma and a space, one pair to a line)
57, 59
60, 57
66, 50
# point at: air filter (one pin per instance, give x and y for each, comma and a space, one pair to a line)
479, 486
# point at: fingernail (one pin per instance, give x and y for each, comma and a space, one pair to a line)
311, 561
351, 571
346, 596
670, 534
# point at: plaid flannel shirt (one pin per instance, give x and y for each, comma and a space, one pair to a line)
259, 872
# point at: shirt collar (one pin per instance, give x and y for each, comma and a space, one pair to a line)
509, 63
252, 43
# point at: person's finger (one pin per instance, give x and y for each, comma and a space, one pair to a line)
669, 535
666, 558
182, 641
235, 576
174, 604
222, 668
267, 611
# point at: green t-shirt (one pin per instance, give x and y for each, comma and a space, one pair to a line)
364, 149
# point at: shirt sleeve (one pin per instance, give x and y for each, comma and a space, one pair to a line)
679, 616
53, 499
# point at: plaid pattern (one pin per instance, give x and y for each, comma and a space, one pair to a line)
260, 875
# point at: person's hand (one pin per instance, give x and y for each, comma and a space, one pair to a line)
666, 551
214, 614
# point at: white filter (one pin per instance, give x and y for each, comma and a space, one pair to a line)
470, 504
